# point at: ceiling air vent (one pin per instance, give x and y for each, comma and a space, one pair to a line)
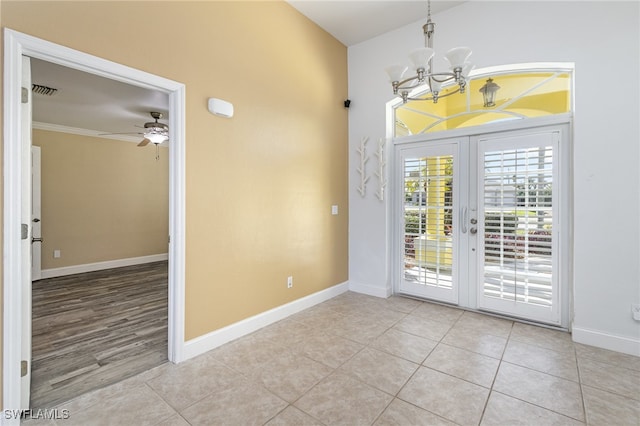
43, 90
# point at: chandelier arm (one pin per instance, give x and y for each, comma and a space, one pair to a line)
430, 98
401, 84
448, 76
448, 93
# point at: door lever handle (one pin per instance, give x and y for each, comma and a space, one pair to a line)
36, 240
463, 221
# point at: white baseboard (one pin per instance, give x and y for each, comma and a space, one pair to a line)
209, 341
606, 341
369, 290
99, 266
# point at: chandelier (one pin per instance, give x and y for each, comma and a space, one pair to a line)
422, 60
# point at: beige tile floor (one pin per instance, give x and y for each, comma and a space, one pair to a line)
360, 360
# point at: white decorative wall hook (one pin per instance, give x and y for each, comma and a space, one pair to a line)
362, 150
382, 181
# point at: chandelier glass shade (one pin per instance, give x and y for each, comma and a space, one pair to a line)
423, 73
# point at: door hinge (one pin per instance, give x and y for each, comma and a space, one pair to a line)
25, 95
24, 368
169, 239
24, 228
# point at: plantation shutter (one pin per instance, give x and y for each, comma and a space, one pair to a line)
519, 214
428, 203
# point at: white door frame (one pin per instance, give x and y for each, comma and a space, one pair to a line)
15, 45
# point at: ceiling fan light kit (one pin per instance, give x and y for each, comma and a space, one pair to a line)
155, 132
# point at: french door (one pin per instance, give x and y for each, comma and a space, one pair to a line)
430, 201
481, 221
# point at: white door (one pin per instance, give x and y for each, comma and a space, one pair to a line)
479, 222
25, 247
429, 206
36, 215
519, 223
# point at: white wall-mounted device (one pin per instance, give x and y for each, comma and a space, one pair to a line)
220, 107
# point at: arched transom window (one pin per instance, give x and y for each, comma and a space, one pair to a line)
524, 91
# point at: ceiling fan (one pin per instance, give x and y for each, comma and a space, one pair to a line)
155, 132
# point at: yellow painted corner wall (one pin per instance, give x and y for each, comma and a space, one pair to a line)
102, 199
259, 186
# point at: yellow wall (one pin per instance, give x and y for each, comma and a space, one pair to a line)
102, 199
259, 186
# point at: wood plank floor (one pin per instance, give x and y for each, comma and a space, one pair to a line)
94, 329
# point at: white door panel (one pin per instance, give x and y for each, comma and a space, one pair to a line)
429, 223
36, 215
517, 192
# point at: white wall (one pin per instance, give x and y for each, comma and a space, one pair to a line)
602, 39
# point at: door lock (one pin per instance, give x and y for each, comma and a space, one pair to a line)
474, 221
473, 231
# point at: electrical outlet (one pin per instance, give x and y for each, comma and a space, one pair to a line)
289, 282
56, 254
635, 310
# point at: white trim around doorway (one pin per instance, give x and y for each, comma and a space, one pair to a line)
15, 46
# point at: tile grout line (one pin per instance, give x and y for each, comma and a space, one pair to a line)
349, 374
495, 377
421, 365
175, 410
584, 405
395, 396
542, 372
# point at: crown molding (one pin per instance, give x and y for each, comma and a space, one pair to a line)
83, 132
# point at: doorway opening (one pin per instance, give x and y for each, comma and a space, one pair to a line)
17, 236
99, 242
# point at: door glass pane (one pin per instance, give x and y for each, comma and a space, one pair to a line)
428, 208
518, 224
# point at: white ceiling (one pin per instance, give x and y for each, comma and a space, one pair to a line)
101, 105
87, 101
354, 21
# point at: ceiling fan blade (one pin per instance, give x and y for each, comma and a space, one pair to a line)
144, 142
123, 133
